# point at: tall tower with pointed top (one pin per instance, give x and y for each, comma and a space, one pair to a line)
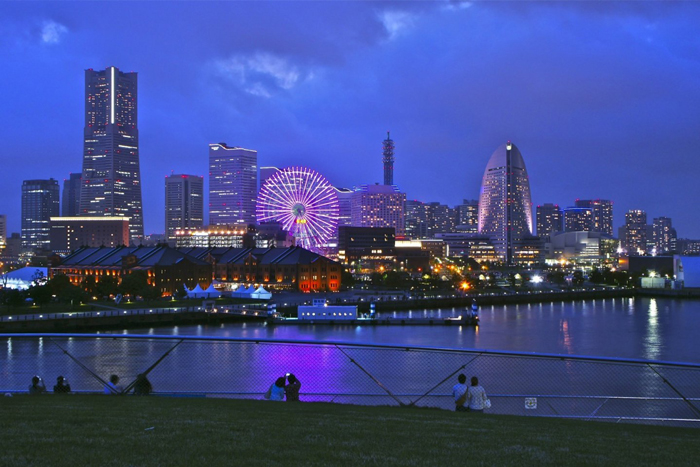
505, 206
388, 160
111, 179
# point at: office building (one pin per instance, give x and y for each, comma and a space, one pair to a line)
601, 212
3, 230
71, 233
688, 247
40, 202
505, 207
233, 184
367, 249
111, 178
388, 160
13, 249
184, 203
578, 220
663, 235
468, 216
635, 232
580, 247
378, 206
441, 218
415, 219
70, 201
550, 219
344, 206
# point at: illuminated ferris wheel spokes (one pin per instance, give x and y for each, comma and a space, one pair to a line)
304, 203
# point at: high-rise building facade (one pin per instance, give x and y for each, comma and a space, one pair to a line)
505, 206
441, 219
344, 206
468, 216
388, 160
233, 184
40, 202
549, 219
70, 233
111, 177
3, 231
578, 220
663, 235
378, 206
601, 213
70, 201
635, 230
415, 219
184, 203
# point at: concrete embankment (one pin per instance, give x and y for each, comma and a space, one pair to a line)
78, 324
88, 324
483, 300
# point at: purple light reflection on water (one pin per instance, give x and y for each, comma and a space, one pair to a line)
662, 329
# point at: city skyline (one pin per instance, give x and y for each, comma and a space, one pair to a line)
589, 126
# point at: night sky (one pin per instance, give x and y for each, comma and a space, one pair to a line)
601, 98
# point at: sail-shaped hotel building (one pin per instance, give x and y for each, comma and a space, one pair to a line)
505, 206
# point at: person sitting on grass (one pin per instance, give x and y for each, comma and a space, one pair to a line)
62, 386
37, 386
276, 390
142, 387
112, 387
291, 390
476, 396
459, 392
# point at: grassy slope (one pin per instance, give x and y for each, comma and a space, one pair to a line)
104, 430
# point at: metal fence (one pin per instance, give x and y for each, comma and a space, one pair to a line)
527, 384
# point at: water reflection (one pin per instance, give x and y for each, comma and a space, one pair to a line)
652, 339
604, 327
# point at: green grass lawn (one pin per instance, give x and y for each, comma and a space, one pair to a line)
96, 430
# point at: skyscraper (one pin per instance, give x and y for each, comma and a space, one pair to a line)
601, 212
549, 219
184, 203
505, 207
111, 183
415, 219
468, 216
635, 230
664, 235
233, 184
578, 220
344, 206
3, 231
388, 159
70, 201
40, 201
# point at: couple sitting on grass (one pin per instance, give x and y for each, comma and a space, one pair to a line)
278, 391
469, 398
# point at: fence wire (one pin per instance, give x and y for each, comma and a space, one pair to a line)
527, 384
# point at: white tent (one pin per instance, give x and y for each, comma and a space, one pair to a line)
211, 292
22, 279
261, 294
197, 292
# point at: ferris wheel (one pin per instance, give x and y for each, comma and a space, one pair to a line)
304, 203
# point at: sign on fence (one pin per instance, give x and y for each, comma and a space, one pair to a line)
530, 402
